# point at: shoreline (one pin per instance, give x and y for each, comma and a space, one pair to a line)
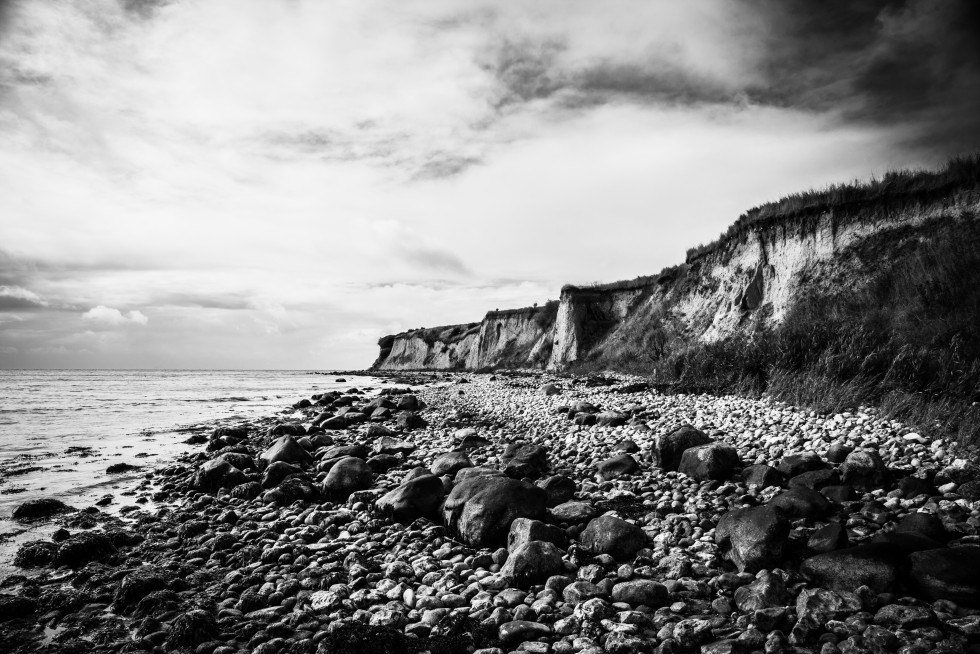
282, 560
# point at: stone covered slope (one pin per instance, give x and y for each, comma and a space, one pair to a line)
503, 514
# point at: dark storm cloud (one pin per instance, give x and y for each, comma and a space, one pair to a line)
914, 63
911, 64
17, 303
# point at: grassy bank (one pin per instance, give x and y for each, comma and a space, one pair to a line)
907, 340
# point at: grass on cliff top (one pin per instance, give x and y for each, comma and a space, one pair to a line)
957, 175
907, 342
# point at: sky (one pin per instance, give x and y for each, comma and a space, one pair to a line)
279, 183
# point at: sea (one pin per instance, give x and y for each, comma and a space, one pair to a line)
61, 429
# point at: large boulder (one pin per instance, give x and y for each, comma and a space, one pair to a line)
278, 471
874, 565
762, 476
768, 590
669, 448
215, 474
549, 389
83, 548
795, 464
640, 592
617, 466
865, 471
801, 502
348, 475
950, 573
611, 419
42, 508
388, 444
610, 535
409, 420
524, 530
756, 537
524, 460
450, 463
532, 562
712, 461
559, 488
13, 607
138, 584
480, 510
416, 498
288, 450
35, 554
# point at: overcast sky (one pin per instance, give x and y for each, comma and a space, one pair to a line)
278, 183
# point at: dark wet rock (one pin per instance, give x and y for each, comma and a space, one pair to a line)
216, 474
277, 471
247, 491
381, 463
340, 451
63, 599
389, 444
767, 591
532, 562
801, 502
288, 450
837, 452
291, 489
828, 538
559, 488
581, 406
416, 498
669, 448
923, 524
524, 460
762, 476
346, 476
915, 486
950, 573
231, 433
816, 479
839, 494
795, 464
626, 445
13, 607
35, 554
191, 629
470, 439
408, 403
904, 616
240, 460
756, 537
617, 466
477, 471
519, 631
524, 530
334, 423
480, 510
409, 420
580, 591
83, 548
549, 389
611, 535
872, 565
815, 606
573, 512
645, 592
286, 429
138, 584
118, 468
584, 419
864, 470
611, 419
712, 461
450, 463
42, 508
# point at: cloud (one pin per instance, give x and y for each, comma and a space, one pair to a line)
13, 298
110, 316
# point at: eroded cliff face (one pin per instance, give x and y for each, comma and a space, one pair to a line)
744, 283
514, 338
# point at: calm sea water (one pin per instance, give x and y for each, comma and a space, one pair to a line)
61, 429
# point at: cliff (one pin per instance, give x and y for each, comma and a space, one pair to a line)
510, 338
846, 238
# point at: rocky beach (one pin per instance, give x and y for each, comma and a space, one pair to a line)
525, 512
